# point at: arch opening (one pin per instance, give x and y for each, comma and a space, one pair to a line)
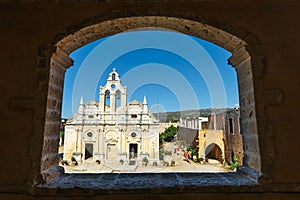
118, 98
213, 151
107, 100
240, 60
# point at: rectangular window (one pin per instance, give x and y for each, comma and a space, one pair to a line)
204, 125
238, 123
230, 125
133, 116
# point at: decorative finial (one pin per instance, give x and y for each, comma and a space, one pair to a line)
114, 69
81, 100
145, 100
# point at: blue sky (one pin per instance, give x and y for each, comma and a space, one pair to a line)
174, 71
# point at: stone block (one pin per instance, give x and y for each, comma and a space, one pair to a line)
52, 173
56, 79
52, 116
244, 70
252, 160
250, 143
245, 85
51, 104
57, 69
249, 126
55, 91
51, 144
51, 128
48, 161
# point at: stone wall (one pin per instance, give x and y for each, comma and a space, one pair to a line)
189, 136
233, 139
32, 71
207, 140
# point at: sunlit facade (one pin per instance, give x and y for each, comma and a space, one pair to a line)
112, 130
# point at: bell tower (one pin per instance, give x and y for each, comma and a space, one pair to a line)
113, 95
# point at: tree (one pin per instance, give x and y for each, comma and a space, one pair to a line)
168, 134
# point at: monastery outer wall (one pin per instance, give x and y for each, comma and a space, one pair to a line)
189, 136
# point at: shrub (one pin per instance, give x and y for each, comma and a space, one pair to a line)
222, 160
168, 134
61, 134
234, 164
189, 148
195, 153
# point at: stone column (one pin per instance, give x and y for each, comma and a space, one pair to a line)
101, 100
199, 124
49, 162
112, 102
124, 99
241, 61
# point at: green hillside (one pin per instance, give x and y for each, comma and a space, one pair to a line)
175, 116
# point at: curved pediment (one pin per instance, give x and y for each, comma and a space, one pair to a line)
135, 103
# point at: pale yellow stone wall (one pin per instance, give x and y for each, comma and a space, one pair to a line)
76, 138
208, 137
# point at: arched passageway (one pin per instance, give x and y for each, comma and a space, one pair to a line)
213, 151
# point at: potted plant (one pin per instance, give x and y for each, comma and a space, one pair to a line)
165, 163
74, 162
194, 155
145, 161
77, 156
172, 163
201, 160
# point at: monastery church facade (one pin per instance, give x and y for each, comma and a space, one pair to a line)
112, 129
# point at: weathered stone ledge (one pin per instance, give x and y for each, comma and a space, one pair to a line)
104, 183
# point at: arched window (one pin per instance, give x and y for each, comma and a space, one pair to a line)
107, 98
113, 77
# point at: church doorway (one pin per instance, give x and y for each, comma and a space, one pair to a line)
88, 151
133, 151
111, 151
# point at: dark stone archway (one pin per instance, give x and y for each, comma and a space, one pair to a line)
241, 60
